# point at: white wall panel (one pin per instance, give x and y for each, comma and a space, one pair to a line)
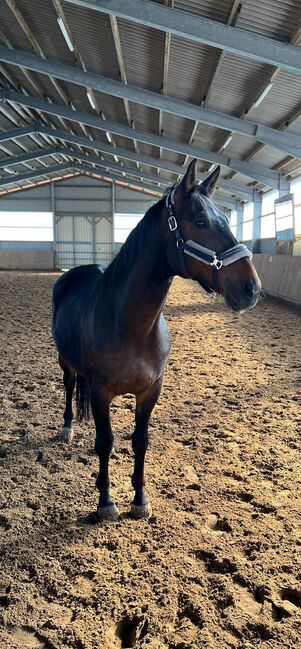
129, 202
82, 208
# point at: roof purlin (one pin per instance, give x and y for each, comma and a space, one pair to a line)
244, 193
255, 171
219, 199
286, 142
201, 30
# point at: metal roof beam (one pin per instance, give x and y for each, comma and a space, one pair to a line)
17, 132
107, 164
287, 142
79, 168
252, 170
122, 69
31, 155
37, 48
219, 197
232, 18
201, 30
139, 173
12, 180
75, 156
241, 191
217, 200
104, 175
86, 168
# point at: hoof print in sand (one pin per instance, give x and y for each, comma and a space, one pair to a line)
26, 637
129, 630
190, 611
217, 524
214, 564
4, 524
286, 604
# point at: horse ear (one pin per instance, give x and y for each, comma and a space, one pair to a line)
188, 181
209, 184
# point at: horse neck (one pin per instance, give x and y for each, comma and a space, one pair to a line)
142, 287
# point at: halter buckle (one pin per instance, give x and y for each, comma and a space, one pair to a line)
217, 263
180, 243
172, 223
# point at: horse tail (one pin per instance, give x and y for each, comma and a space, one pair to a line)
82, 398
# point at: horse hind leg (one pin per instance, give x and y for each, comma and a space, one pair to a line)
66, 433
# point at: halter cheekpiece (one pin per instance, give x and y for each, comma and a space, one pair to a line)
193, 249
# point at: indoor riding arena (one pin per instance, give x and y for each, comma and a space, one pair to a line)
187, 112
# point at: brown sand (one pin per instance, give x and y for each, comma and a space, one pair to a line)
218, 563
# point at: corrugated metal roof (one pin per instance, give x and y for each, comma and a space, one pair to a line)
233, 89
284, 96
236, 84
274, 18
42, 20
143, 52
190, 70
11, 29
218, 10
93, 36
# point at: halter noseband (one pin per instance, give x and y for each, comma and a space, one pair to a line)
197, 251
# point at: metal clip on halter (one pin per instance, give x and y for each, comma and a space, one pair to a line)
217, 263
172, 222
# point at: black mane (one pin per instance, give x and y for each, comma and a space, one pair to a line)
122, 264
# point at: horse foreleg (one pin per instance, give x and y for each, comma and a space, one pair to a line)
145, 403
66, 433
100, 404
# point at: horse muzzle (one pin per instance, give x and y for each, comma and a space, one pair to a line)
244, 296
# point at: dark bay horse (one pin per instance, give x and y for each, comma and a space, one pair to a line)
108, 326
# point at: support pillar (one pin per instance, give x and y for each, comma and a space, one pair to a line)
112, 217
239, 211
52, 185
257, 221
284, 186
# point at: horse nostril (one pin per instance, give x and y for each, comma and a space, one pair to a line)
248, 289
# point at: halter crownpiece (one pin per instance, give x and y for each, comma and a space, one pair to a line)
197, 251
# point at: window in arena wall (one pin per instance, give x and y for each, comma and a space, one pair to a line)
247, 222
233, 222
295, 189
123, 225
267, 223
26, 226
284, 212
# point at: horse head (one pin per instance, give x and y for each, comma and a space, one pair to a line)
201, 245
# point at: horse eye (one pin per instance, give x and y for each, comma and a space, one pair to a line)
200, 224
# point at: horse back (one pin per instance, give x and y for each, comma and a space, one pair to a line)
75, 281
74, 296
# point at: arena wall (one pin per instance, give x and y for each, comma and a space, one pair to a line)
280, 276
26, 255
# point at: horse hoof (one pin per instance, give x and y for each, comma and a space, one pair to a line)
66, 434
109, 513
140, 511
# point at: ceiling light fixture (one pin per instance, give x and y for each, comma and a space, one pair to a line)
263, 95
91, 99
63, 29
228, 140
